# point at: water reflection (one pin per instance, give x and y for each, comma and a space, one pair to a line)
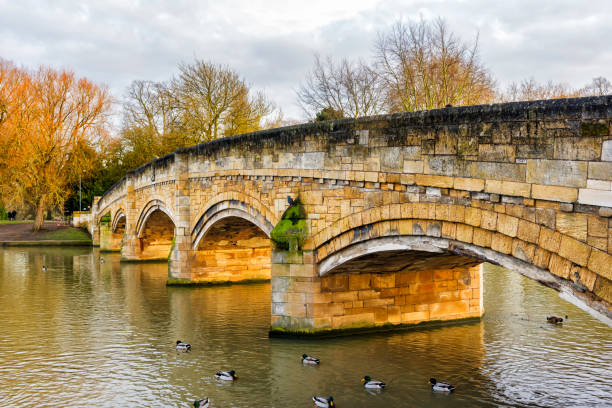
91, 333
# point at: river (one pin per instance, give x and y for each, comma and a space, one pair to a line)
86, 333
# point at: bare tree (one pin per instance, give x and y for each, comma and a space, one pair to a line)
351, 88
599, 86
424, 66
531, 90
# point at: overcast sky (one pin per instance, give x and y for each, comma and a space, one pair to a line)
271, 43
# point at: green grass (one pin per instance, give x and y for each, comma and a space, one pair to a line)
14, 222
67, 234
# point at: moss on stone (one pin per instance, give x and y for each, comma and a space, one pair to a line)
292, 230
189, 283
369, 329
594, 129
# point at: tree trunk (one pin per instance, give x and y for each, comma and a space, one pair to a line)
40, 214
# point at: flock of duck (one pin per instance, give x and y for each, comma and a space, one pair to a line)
318, 401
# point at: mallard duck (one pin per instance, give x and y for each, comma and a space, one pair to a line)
441, 386
323, 402
180, 346
555, 319
226, 375
306, 359
374, 384
203, 403
44, 268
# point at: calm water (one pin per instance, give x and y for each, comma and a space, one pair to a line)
86, 333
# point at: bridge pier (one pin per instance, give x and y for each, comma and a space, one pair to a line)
305, 303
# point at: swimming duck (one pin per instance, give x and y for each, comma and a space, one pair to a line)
555, 319
226, 375
306, 359
44, 268
323, 402
180, 346
203, 403
441, 386
374, 384
102, 260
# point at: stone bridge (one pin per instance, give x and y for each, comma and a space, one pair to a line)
391, 216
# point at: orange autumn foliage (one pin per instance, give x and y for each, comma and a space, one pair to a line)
51, 126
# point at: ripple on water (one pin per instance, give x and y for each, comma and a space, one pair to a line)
86, 333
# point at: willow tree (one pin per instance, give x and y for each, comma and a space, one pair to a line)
56, 124
425, 66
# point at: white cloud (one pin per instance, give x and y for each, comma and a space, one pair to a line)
271, 42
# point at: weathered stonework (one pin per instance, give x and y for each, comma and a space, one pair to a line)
524, 185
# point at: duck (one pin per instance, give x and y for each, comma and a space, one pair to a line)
226, 375
441, 386
368, 382
102, 260
180, 346
555, 319
44, 268
203, 403
323, 402
306, 359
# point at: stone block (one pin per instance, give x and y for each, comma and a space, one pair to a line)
577, 148
606, 150
446, 143
509, 188
541, 258
599, 185
498, 171
600, 170
595, 197
574, 250
353, 321
554, 193
528, 231
559, 266
573, 224
438, 310
335, 283
501, 243
496, 153
557, 172
546, 217
359, 281
549, 240
473, 216
415, 317
603, 289
482, 237
469, 184
434, 181
600, 263
507, 225
465, 233
597, 226
413, 166
382, 281
523, 250
489, 220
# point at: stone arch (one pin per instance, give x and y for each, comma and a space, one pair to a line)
227, 208
120, 217
231, 240
513, 242
148, 210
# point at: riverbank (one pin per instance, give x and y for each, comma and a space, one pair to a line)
19, 233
